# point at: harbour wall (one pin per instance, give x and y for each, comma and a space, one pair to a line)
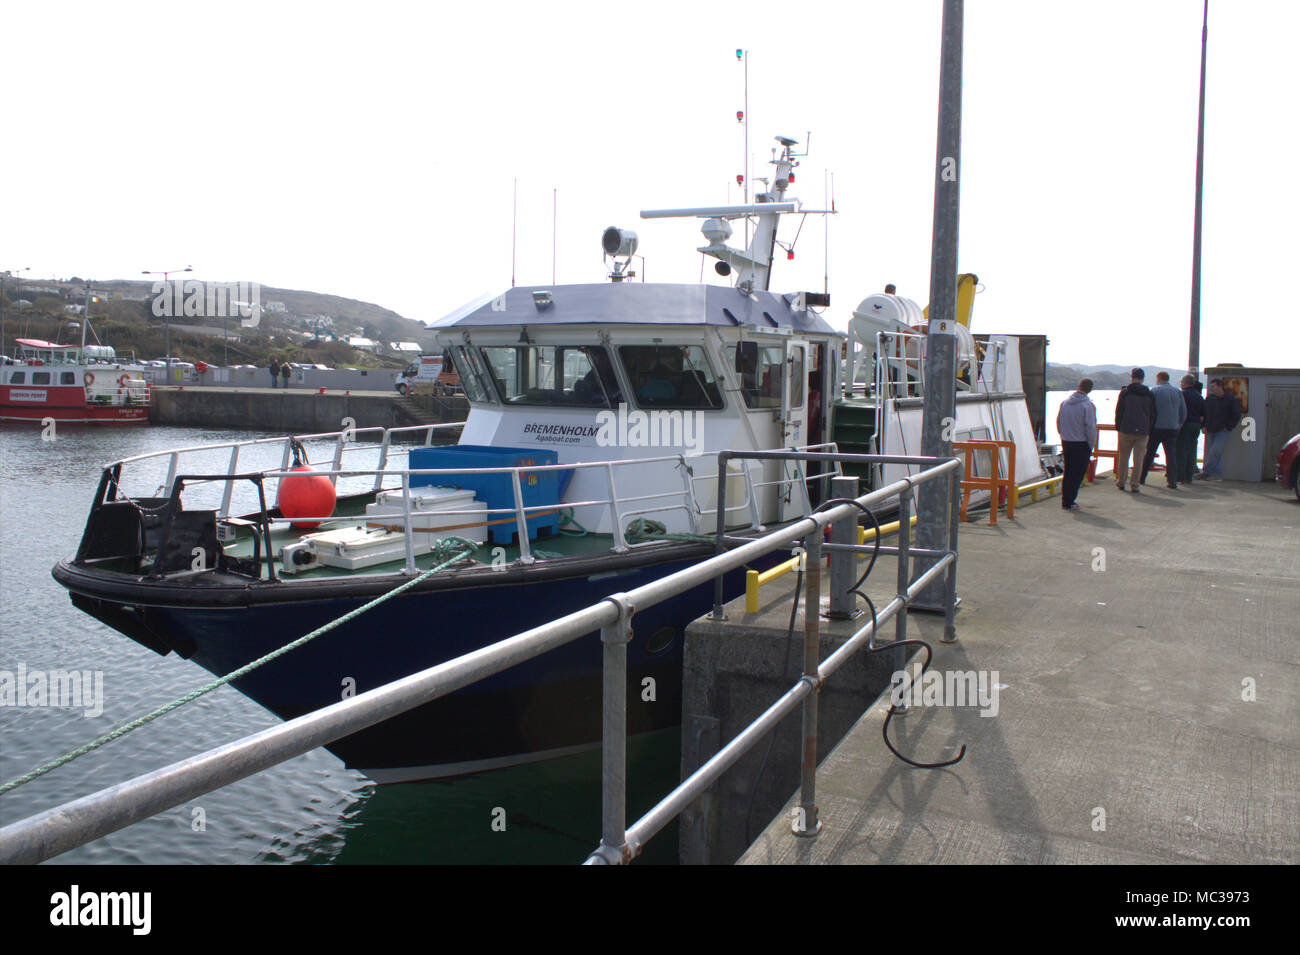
732, 672
346, 379
294, 411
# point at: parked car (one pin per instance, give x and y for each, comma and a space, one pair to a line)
432, 373
1288, 465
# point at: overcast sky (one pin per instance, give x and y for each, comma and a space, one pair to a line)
370, 150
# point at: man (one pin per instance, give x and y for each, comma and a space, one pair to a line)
1135, 419
275, 371
1076, 423
1222, 413
1190, 433
1171, 412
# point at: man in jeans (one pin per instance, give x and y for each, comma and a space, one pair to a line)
1135, 419
1190, 432
1171, 412
1076, 423
1222, 413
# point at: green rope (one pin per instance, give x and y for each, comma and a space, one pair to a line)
567, 518
452, 549
645, 530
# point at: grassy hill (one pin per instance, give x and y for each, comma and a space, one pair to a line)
1104, 377
122, 316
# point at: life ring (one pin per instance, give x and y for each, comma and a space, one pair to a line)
90, 377
121, 382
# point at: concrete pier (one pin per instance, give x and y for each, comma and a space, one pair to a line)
295, 410
1146, 654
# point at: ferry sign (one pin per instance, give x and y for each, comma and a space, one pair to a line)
28, 394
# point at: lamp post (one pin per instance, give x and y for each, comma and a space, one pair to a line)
167, 325
12, 274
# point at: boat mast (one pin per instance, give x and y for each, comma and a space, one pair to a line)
1194, 346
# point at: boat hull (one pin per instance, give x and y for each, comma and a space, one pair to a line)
66, 405
545, 706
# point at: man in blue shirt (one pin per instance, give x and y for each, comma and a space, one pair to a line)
1171, 412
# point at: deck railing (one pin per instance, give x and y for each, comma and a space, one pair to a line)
619, 506
65, 827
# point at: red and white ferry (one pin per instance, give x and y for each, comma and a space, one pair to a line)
74, 384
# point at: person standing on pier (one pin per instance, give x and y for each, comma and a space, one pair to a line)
1171, 412
1190, 432
1135, 419
1076, 423
275, 370
284, 374
1222, 413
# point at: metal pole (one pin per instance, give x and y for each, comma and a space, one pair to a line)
1194, 347
904, 542
950, 579
939, 410
613, 789
843, 604
805, 822
719, 597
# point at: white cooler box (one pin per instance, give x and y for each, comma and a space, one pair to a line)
429, 513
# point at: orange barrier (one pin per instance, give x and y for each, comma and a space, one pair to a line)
1099, 453
998, 487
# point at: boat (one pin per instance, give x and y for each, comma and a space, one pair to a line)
587, 466
71, 384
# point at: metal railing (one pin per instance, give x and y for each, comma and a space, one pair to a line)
55, 831
618, 507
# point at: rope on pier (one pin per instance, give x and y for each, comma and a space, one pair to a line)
447, 550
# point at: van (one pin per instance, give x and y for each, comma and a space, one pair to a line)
430, 374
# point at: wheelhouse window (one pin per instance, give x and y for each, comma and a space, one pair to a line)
758, 367
40, 378
68, 378
18, 378
473, 376
579, 376
671, 376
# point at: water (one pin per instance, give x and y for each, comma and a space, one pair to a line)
308, 810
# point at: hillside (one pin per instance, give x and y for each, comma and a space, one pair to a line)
295, 324
1104, 377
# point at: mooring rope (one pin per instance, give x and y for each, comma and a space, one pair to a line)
452, 549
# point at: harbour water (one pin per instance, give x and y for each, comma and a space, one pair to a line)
308, 810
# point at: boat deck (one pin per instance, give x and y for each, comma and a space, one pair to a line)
1123, 695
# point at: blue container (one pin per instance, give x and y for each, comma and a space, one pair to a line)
540, 488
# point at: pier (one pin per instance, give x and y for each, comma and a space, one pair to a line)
1148, 710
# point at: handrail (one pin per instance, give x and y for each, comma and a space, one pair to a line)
55, 831
994, 484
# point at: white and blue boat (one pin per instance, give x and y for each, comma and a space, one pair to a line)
587, 466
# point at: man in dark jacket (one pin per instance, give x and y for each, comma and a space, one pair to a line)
1190, 433
1222, 413
1135, 419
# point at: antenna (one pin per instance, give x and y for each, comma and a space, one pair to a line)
555, 205
826, 243
743, 56
514, 233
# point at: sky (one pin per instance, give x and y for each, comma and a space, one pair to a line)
372, 151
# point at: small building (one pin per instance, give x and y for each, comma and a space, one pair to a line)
1270, 408
405, 348
365, 344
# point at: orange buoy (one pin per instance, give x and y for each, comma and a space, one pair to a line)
311, 495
